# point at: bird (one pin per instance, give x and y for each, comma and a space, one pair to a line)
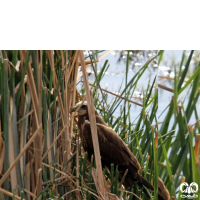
113, 150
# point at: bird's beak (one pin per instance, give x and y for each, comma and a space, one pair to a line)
73, 109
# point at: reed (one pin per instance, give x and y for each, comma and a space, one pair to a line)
41, 156
177, 141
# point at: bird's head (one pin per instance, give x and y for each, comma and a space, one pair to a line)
81, 109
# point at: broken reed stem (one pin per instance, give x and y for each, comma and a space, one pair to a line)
113, 94
30, 193
21, 153
165, 88
93, 126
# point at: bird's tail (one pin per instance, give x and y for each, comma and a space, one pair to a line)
144, 182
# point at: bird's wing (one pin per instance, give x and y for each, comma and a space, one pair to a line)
111, 146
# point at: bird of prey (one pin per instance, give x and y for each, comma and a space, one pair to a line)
113, 150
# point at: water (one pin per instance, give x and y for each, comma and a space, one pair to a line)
115, 77
170, 60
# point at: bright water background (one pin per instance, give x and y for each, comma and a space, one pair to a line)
115, 76
172, 59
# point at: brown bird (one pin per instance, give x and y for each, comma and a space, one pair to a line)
113, 150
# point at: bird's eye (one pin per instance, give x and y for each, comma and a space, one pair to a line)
84, 107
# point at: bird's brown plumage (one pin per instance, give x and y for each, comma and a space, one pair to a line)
112, 149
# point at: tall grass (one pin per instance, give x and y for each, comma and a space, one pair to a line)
178, 152
41, 156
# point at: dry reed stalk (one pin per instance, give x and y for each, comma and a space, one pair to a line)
66, 107
93, 129
30, 153
109, 196
165, 88
33, 181
73, 60
77, 161
114, 94
40, 98
58, 150
16, 68
55, 81
2, 156
29, 193
89, 62
27, 177
36, 122
50, 160
71, 124
105, 54
72, 103
23, 135
67, 132
38, 178
13, 173
170, 78
166, 77
25, 80
20, 155
33, 90
10, 194
21, 145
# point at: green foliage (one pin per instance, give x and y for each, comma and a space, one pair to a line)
177, 136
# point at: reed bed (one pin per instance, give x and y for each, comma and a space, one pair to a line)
41, 156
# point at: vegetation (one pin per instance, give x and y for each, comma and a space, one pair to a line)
40, 151
178, 150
